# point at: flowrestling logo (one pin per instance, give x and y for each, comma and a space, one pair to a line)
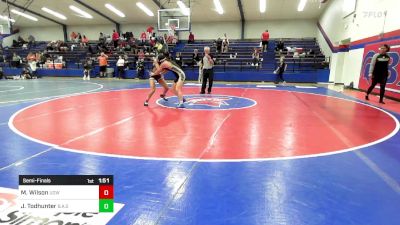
11, 215
210, 102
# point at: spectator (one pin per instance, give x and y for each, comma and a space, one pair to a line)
141, 55
128, 47
311, 53
140, 69
178, 59
165, 48
225, 46
102, 38
49, 46
158, 47
62, 46
208, 73
1, 41
265, 40
143, 37
195, 57
79, 39
87, 66
150, 31
197, 61
280, 46
31, 57
225, 43
280, 70
90, 50
25, 73
256, 57
16, 60
126, 59
108, 39
191, 38
73, 36
121, 67
219, 45
85, 41
31, 40
115, 38
42, 59
152, 42
103, 64
32, 64
21, 41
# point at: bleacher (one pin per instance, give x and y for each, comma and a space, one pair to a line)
237, 58
303, 62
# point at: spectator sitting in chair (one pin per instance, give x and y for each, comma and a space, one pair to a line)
195, 57
311, 53
178, 59
62, 46
141, 55
32, 63
128, 47
31, 57
21, 41
42, 59
256, 57
280, 46
16, 60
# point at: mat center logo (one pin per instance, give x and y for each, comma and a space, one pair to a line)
209, 102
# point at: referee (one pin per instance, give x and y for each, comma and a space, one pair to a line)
208, 73
379, 71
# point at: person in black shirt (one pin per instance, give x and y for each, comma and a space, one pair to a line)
379, 71
280, 70
219, 45
280, 45
87, 66
178, 59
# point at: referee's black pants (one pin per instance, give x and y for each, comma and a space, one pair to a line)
382, 82
208, 74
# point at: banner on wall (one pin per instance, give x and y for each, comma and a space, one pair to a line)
393, 84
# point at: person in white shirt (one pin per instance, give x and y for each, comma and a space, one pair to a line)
121, 67
208, 73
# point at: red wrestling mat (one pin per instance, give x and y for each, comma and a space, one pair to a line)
280, 124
